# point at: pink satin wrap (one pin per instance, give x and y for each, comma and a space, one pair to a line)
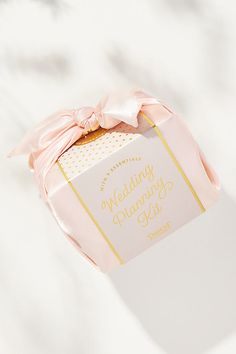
50, 138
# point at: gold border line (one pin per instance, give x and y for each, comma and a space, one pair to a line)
90, 214
178, 166
175, 161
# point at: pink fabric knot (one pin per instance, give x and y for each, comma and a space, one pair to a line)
86, 119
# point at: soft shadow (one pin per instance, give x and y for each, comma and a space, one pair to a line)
183, 290
140, 76
182, 6
56, 6
217, 62
53, 65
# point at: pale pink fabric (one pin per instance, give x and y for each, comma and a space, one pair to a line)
49, 139
57, 133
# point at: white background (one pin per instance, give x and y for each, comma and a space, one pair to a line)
177, 298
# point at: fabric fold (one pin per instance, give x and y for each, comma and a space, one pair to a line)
51, 138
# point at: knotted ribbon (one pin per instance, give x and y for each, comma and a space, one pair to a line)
53, 136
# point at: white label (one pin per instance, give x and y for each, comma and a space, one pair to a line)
137, 195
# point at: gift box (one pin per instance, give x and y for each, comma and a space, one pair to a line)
119, 177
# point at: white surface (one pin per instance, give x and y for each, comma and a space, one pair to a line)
177, 298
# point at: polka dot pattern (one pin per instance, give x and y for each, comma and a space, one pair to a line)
79, 158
